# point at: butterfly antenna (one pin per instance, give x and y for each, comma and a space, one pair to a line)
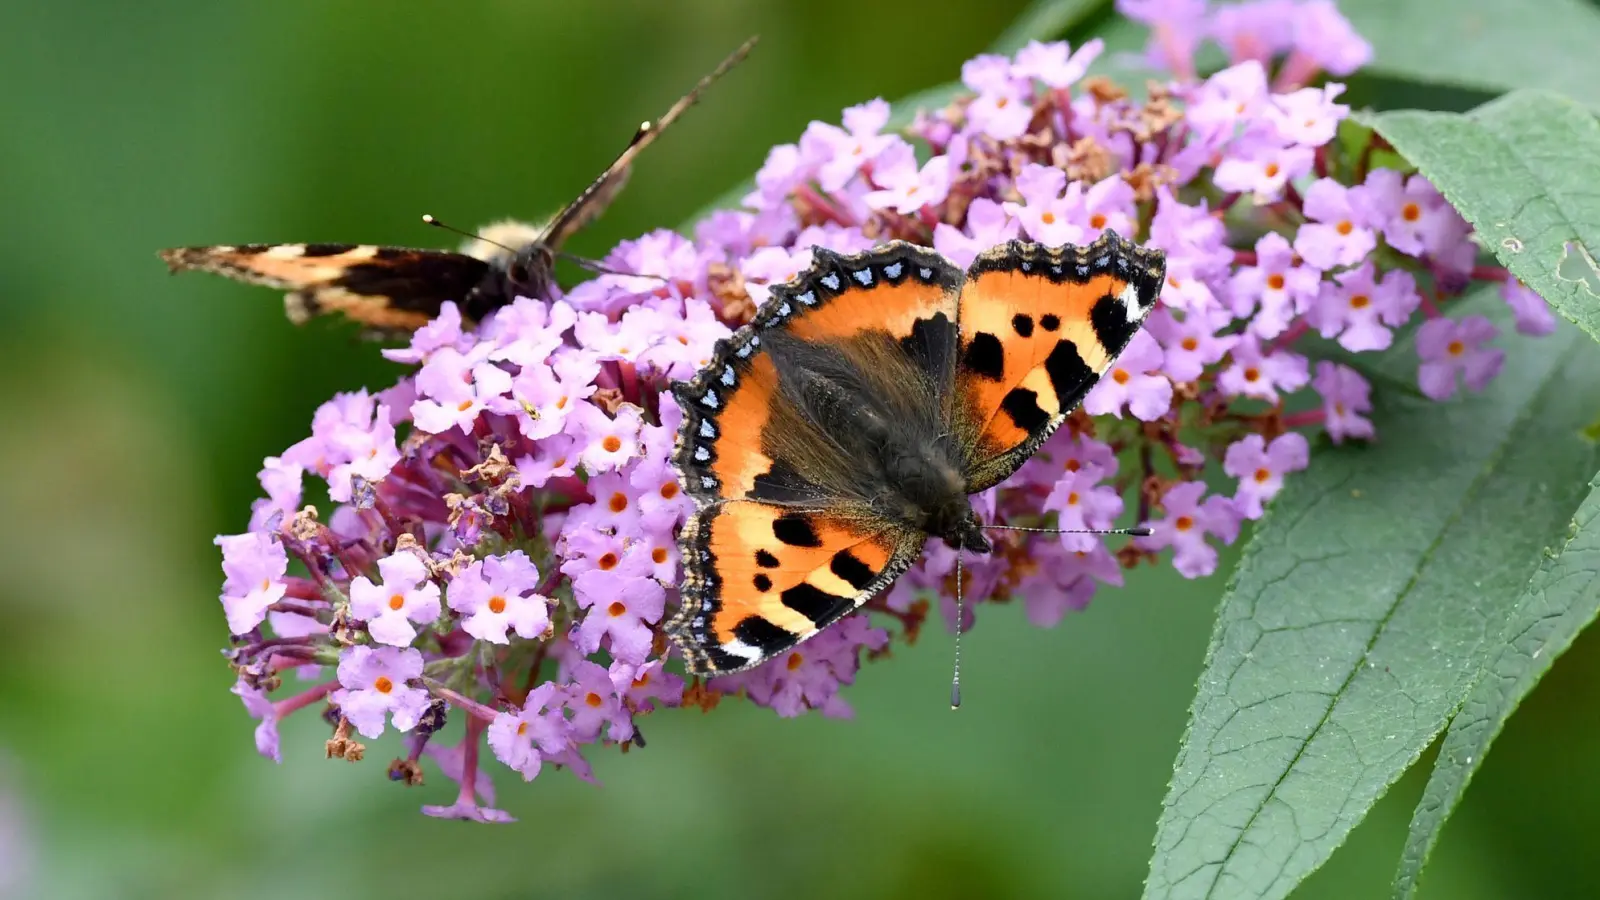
955, 681
430, 220
1139, 531
602, 269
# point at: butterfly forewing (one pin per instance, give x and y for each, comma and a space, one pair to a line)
1039, 326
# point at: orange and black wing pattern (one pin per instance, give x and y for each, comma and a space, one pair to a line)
386, 289
1039, 326
786, 538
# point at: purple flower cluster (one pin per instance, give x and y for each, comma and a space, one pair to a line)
502, 538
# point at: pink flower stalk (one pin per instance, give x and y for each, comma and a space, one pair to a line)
503, 541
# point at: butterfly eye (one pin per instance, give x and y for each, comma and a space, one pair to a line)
518, 271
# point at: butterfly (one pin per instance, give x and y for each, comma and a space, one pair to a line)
398, 289
830, 438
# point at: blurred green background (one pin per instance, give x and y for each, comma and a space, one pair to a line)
137, 409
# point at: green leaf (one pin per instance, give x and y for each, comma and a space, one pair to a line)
1045, 20
1485, 44
1560, 601
1521, 169
1361, 611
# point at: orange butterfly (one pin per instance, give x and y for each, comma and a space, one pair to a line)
831, 437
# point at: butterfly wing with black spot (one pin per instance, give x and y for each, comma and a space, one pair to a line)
387, 289
789, 533
1039, 326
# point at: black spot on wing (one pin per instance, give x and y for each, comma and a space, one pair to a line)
1050, 321
1069, 374
985, 357
1022, 405
814, 603
795, 530
848, 566
762, 635
766, 560
1023, 324
762, 582
1110, 320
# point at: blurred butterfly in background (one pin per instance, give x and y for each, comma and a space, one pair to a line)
399, 289
849, 422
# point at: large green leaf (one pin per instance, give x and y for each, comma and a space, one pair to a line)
1521, 169
1361, 611
1560, 601
1045, 20
1485, 44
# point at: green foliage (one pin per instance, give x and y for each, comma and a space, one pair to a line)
1360, 613
1521, 169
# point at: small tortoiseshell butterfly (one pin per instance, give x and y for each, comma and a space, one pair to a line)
831, 437
399, 289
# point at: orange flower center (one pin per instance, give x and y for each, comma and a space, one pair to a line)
1048, 218
397, 601
1002, 102
1345, 227
795, 661
616, 608
612, 443
1252, 373
1073, 465
1120, 376
607, 562
1271, 170
382, 684
522, 728
594, 700
1360, 301
642, 680
669, 490
1275, 281
1072, 498
1411, 212
659, 554
1189, 343
619, 502
497, 604
463, 406
1262, 475
561, 403
1456, 348
1184, 523
1098, 220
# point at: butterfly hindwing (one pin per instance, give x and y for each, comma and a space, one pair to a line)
383, 288
760, 578
786, 538
1038, 328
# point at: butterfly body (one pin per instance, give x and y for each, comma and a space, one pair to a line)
852, 419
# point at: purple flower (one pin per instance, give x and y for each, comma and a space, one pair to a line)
283, 482
809, 676
554, 457
1055, 212
453, 388
595, 703
845, 150
496, 595
543, 396
1004, 105
1191, 345
406, 595
1054, 63
254, 565
1186, 525
904, 187
1261, 163
524, 739
1066, 453
772, 265
1307, 117
1456, 346
608, 442
260, 706
988, 225
1065, 580
376, 682
1338, 233
1133, 381
1176, 28
1082, 505
641, 686
1232, 96
1324, 37
443, 331
1277, 287
1262, 375
622, 603
1345, 397
1255, 31
1360, 309
1532, 314
1260, 468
